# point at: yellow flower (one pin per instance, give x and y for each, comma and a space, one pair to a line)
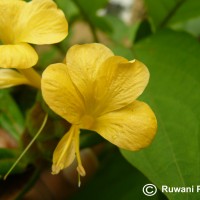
11, 78
97, 90
35, 22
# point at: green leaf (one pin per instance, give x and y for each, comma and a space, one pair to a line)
116, 179
121, 32
53, 130
5, 165
188, 10
173, 93
122, 51
11, 118
143, 30
8, 153
158, 11
88, 11
191, 26
69, 8
91, 8
170, 12
7, 158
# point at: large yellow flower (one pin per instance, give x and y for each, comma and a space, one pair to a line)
97, 90
36, 22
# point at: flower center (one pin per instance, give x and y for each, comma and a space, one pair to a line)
86, 122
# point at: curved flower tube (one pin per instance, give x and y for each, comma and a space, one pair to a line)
97, 90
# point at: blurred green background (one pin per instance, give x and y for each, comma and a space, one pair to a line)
164, 34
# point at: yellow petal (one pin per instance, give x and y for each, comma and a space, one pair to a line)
9, 78
86, 59
119, 83
83, 62
41, 22
64, 154
60, 93
130, 128
17, 56
33, 77
10, 11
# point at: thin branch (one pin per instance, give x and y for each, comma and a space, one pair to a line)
171, 13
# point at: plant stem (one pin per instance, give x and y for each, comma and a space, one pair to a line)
171, 13
28, 146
